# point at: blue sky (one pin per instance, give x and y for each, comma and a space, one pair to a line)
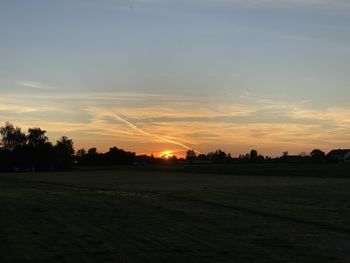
204, 74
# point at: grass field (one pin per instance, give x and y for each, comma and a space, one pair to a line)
239, 213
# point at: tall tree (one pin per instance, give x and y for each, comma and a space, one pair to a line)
253, 155
12, 137
64, 151
41, 149
36, 137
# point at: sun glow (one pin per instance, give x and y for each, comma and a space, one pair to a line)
166, 154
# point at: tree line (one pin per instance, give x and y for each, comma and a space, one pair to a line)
253, 156
32, 151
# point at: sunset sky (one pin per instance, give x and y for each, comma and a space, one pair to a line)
156, 75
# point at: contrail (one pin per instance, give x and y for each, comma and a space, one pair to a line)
135, 128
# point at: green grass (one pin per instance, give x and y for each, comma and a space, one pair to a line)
181, 213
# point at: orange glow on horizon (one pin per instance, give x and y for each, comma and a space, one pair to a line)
166, 154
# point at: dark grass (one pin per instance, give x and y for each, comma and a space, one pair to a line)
278, 169
238, 213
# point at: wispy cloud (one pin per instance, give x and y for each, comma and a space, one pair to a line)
32, 84
17, 109
102, 114
147, 123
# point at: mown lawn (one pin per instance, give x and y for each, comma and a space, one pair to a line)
174, 215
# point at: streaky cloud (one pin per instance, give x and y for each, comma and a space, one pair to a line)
161, 138
32, 84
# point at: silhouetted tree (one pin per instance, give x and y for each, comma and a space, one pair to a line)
173, 159
117, 156
317, 155
89, 157
92, 151
190, 155
218, 156
80, 156
93, 157
36, 137
202, 157
81, 153
244, 158
260, 158
253, 156
41, 151
12, 137
64, 151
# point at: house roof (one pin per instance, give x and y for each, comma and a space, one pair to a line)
339, 152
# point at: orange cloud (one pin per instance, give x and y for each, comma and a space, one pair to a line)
154, 123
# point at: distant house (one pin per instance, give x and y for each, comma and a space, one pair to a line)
340, 154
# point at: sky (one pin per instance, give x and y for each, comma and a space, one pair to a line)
156, 75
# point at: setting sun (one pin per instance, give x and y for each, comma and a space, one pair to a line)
166, 154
